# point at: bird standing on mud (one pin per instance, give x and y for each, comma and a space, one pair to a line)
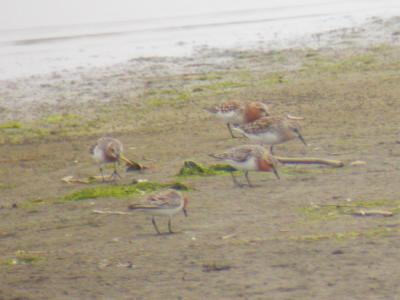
248, 158
164, 203
271, 130
110, 150
235, 112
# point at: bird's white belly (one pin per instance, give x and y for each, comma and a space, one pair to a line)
98, 155
269, 138
248, 165
230, 117
164, 211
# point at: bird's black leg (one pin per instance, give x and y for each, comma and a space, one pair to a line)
170, 226
115, 174
230, 129
246, 174
153, 220
271, 149
276, 172
102, 173
235, 182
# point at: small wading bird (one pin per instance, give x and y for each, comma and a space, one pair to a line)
235, 112
110, 150
248, 158
165, 203
271, 130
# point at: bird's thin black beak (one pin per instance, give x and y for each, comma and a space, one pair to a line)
185, 212
301, 137
276, 172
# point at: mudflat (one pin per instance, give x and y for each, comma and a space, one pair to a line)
301, 237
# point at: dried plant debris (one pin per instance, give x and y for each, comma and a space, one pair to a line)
191, 168
372, 213
216, 266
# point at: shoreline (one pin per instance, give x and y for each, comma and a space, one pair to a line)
31, 98
44, 50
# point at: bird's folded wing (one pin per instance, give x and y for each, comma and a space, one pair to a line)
239, 155
261, 125
168, 197
141, 206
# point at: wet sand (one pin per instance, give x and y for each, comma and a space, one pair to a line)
295, 238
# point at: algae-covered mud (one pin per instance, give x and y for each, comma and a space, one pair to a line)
317, 233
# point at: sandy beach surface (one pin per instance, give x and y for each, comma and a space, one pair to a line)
295, 238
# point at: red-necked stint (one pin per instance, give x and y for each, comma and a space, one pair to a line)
271, 130
235, 112
110, 150
248, 158
254, 111
165, 203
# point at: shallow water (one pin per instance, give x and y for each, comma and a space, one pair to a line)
44, 36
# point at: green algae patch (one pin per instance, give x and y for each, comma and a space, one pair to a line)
377, 203
273, 79
32, 204
61, 118
120, 191
11, 125
53, 126
223, 85
6, 186
174, 98
191, 168
209, 76
23, 258
222, 168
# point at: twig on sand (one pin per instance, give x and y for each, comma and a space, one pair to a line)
111, 212
372, 213
336, 205
290, 117
310, 160
91, 179
361, 212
